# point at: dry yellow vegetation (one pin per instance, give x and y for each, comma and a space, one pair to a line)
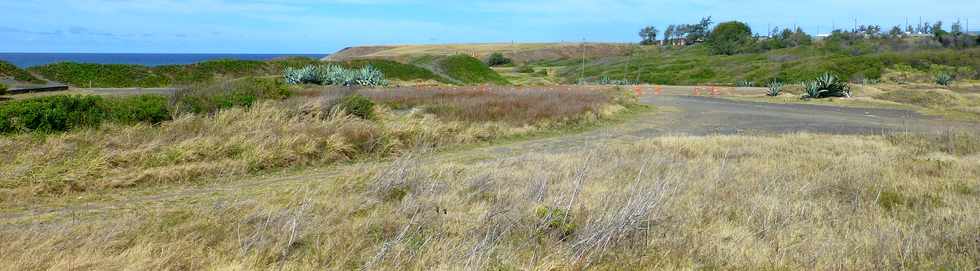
798, 201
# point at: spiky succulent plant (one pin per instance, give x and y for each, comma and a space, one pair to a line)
827, 85
944, 79
775, 88
335, 75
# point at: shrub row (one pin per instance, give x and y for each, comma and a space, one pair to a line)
62, 113
66, 112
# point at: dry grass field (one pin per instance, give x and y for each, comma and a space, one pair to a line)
519, 52
798, 201
410, 190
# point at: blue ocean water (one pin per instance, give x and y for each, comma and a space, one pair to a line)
25, 60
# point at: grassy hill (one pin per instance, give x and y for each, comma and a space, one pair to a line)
696, 65
119, 75
455, 70
519, 52
17, 74
460, 69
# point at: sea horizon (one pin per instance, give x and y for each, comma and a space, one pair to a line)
26, 60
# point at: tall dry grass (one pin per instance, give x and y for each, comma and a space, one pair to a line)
270, 135
721, 202
519, 106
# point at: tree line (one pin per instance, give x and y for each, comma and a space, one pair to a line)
737, 37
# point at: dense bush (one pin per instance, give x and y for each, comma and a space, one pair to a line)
498, 59
63, 112
358, 105
3, 89
730, 38
525, 69
209, 98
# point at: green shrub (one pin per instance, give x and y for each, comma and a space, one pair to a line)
498, 59
730, 38
557, 220
66, 112
358, 105
151, 109
525, 69
211, 97
3, 89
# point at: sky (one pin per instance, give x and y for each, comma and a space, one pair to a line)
325, 26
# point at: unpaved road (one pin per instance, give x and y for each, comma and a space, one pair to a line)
676, 115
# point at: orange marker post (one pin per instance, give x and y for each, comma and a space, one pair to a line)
714, 91
697, 91
638, 90
659, 90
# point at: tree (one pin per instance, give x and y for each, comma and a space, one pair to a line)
669, 34
648, 35
497, 59
730, 38
699, 32
896, 33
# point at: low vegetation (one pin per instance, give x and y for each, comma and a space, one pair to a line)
335, 75
394, 70
775, 88
243, 127
3, 89
9, 70
826, 86
468, 70
498, 59
668, 203
518, 107
64, 113
121, 76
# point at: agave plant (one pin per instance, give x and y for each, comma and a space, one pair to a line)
335, 75
775, 88
827, 85
744, 84
944, 79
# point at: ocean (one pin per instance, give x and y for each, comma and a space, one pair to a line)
25, 60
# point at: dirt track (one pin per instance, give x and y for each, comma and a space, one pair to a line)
676, 115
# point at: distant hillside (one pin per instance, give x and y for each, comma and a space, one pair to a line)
9, 72
519, 52
118, 75
696, 65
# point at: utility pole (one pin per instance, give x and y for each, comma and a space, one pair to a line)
582, 74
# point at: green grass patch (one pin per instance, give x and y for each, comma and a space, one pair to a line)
123, 76
469, 70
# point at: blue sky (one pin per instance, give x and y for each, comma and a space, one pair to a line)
324, 26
